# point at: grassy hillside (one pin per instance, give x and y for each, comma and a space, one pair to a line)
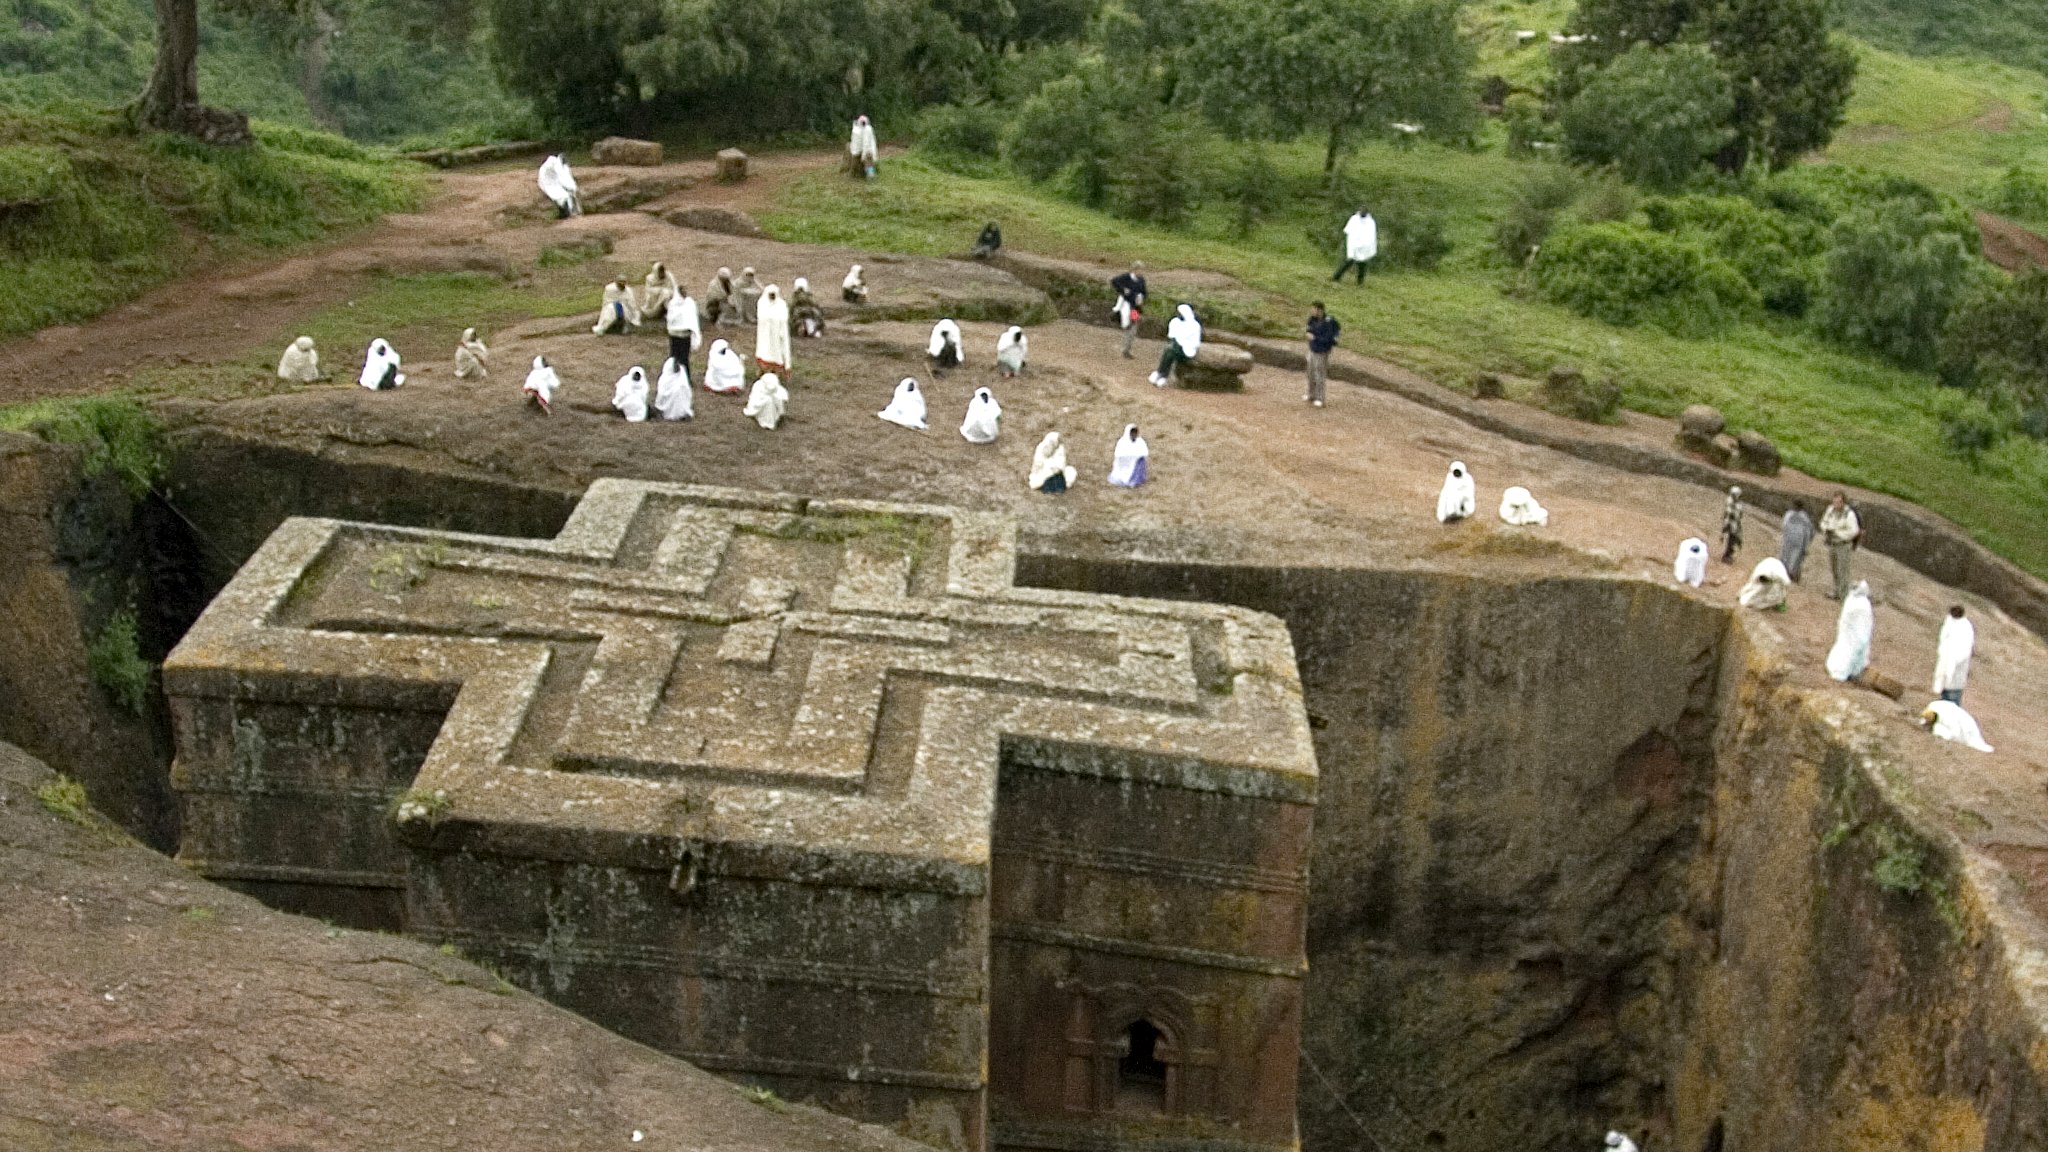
2012, 31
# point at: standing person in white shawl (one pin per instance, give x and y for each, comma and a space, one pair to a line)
861, 153
1690, 568
771, 331
1050, 472
1361, 244
723, 371
618, 313
472, 358
768, 401
1459, 498
906, 407
672, 391
1853, 631
380, 367
300, 363
540, 386
1518, 506
944, 346
1183, 342
1011, 349
1952, 655
680, 317
1948, 721
558, 184
984, 418
657, 289
1131, 464
854, 289
629, 395
1768, 585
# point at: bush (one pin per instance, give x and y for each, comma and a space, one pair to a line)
117, 665
1533, 212
2020, 192
1157, 180
1251, 185
117, 434
1827, 194
1064, 132
1996, 343
1528, 124
1655, 114
961, 136
1778, 254
1891, 279
1970, 431
1626, 274
1414, 238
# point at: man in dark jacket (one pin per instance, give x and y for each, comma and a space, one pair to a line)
1130, 301
1322, 337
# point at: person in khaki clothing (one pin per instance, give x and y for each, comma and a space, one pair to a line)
1841, 530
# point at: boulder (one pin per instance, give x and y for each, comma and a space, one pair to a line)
1564, 383
732, 166
626, 151
1218, 367
1488, 386
1566, 392
1881, 684
728, 221
1703, 421
1754, 452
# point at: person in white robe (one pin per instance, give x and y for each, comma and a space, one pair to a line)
1769, 584
854, 289
771, 331
944, 346
768, 401
805, 316
906, 407
1690, 569
1952, 655
1361, 244
1012, 348
719, 306
1519, 507
380, 367
618, 313
629, 395
1946, 719
984, 418
1853, 633
1620, 1143
1459, 497
300, 363
472, 358
746, 294
672, 392
1183, 342
558, 184
684, 331
541, 385
1050, 472
657, 290
1131, 463
861, 152
723, 369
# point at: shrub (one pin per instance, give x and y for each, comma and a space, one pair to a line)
1626, 274
1415, 238
1827, 194
116, 662
2020, 192
1528, 123
1996, 343
1064, 132
1971, 430
961, 135
1778, 254
1157, 180
1891, 278
1655, 114
1251, 185
1533, 212
117, 434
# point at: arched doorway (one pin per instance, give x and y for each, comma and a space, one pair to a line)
1141, 1069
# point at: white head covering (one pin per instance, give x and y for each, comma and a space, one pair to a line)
1952, 654
1768, 582
376, 362
1620, 1143
471, 356
800, 285
1691, 566
558, 184
299, 362
1518, 506
629, 395
542, 382
723, 371
942, 332
1459, 497
1949, 721
853, 278
1854, 629
1185, 331
1129, 466
672, 399
771, 328
906, 407
1048, 458
768, 401
984, 417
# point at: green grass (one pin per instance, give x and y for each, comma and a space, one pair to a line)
62, 796
116, 433
1953, 123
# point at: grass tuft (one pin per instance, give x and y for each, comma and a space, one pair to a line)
117, 665
65, 797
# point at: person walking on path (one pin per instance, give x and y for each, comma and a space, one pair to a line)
1361, 244
1731, 526
1842, 530
1130, 302
1322, 338
1794, 538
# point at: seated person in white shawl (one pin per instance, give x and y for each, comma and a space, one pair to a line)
1768, 585
558, 184
629, 395
984, 418
906, 407
1050, 472
657, 290
618, 313
1459, 497
1011, 349
1183, 343
804, 313
672, 392
380, 367
1519, 507
746, 295
1690, 568
771, 332
1946, 719
768, 401
1952, 655
944, 346
720, 309
472, 359
1131, 464
541, 384
300, 363
680, 317
723, 371
1853, 632
854, 289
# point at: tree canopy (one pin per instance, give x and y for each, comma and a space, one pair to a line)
1655, 114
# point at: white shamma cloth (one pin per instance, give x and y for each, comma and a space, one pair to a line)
1519, 507
1853, 631
472, 358
1769, 584
723, 370
1950, 722
984, 418
672, 392
1952, 654
768, 401
300, 363
1131, 465
380, 367
771, 330
1459, 498
541, 384
558, 184
906, 407
1050, 472
629, 395
1690, 569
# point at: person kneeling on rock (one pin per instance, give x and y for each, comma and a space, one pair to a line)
1183, 343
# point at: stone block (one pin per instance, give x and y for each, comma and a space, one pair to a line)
1754, 452
728, 221
1218, 367
622, 150
1702, 421
732, 165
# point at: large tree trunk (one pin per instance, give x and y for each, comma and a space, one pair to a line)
171, 102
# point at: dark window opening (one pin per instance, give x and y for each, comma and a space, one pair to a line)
1716, 1136
1141, 1074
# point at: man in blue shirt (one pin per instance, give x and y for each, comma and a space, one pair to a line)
1130, 302
1322, 337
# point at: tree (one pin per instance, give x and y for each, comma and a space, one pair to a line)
170, 102
1656, 114
1996, 344
1334, 67
1893, 274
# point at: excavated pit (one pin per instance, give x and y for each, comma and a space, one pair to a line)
1581, 860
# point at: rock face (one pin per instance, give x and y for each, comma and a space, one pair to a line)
894, 877
732, 166
1218, 367
729, 221
621, 150
1754, 452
